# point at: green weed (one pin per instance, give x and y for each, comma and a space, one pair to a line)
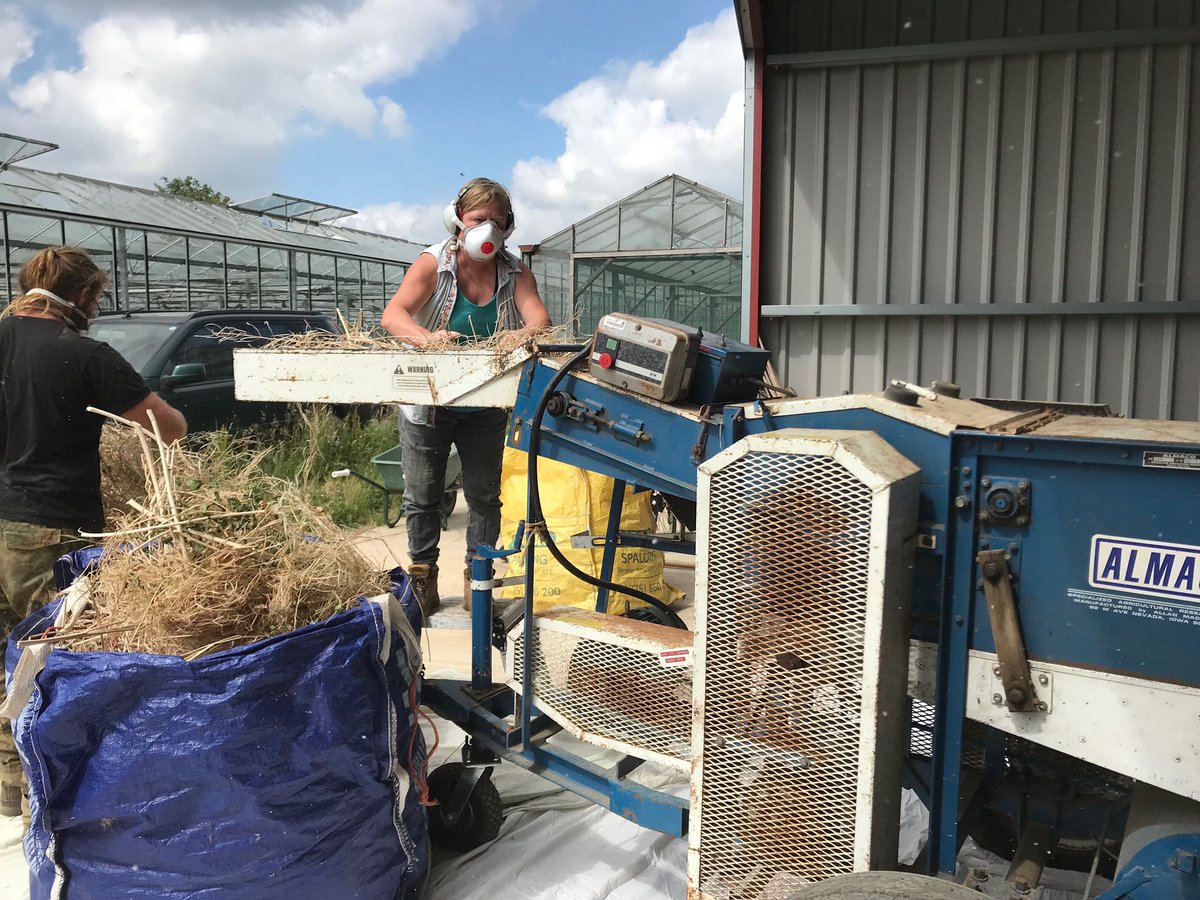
308, 446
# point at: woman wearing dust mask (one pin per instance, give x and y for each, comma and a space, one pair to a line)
467, 288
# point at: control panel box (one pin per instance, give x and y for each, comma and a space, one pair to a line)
646, 356
727, 371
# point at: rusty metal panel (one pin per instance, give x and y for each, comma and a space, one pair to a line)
618, 683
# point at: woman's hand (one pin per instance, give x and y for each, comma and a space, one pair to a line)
441, 338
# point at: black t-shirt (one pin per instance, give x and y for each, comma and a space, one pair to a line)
49, 375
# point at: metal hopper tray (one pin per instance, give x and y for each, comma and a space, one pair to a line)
467, 377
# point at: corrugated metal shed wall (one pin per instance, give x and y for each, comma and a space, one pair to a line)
1005, 194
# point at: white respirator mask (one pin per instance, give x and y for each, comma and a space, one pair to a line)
483, 241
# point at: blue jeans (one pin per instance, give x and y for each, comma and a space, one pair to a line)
479, 436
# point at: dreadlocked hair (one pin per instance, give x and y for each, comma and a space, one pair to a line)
66, 271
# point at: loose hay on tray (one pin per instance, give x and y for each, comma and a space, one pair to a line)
357, 336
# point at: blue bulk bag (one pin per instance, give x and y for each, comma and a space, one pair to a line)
275, 770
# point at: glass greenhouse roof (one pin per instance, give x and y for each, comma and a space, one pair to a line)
673, 213
284, 207
70, 196
672, 250
14, 148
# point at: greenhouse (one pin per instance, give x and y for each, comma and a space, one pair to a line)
672, 250
165, 252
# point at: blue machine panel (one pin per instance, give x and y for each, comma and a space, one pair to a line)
1098, 524
1106, 568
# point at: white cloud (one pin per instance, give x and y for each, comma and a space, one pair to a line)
17, 44
220, 90
623, 130
392, 116
74, 12
399, 219
219, 97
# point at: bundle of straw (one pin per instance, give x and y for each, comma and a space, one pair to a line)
217, 555
122, 473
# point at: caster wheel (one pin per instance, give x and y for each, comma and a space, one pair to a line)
480, 819
449, 501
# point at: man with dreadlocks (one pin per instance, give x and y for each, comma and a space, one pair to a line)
50, 372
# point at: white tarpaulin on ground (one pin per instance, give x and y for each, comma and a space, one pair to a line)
554, 845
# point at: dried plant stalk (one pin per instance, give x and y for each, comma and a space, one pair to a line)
219, 555
358, 337
122, 473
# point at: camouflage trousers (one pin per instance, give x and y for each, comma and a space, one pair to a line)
27, 555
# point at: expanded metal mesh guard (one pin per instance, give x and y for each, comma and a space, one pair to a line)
602, 678
922, 717
780, 789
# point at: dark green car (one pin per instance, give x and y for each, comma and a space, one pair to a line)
183, 357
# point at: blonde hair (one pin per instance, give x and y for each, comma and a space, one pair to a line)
66, 271
481, 192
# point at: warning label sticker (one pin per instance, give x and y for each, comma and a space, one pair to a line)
410, 382
671, 659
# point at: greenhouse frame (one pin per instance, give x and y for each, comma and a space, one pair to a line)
671, 250
164, 252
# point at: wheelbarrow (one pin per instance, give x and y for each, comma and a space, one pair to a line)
391, 482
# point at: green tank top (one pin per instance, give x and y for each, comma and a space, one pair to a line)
473, 322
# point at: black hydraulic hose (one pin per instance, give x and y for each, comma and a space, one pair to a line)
668, 615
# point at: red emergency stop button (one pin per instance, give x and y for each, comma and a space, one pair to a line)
605, 360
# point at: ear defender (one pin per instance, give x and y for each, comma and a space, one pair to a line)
452, 215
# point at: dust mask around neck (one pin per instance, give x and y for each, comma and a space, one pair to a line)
70, 307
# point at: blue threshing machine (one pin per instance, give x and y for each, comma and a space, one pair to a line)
1038, 563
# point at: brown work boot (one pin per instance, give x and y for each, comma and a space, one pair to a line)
424, 580
467, 589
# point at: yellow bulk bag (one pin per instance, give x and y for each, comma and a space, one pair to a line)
574, 501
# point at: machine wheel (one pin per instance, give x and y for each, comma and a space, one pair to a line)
480, 819
449, 501
648, 614
883, 886
997, 833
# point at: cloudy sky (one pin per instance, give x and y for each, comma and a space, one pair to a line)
384, 106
